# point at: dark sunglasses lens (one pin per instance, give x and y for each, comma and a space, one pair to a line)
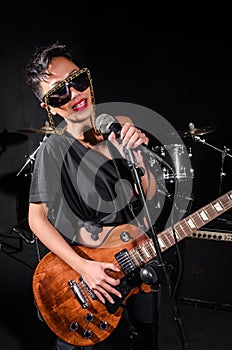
81, 82
60, 97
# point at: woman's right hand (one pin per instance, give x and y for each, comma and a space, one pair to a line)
94, 275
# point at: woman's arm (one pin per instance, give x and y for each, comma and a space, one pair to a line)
92, 272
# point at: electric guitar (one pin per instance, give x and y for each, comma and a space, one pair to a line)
68, 305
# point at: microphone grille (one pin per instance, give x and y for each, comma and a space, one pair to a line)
103, 122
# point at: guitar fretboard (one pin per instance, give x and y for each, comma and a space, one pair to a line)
145, 251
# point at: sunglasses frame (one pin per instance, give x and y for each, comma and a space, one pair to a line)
66, 82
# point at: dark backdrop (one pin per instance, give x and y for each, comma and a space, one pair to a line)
181, 74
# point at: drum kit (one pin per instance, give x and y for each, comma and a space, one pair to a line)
174, 152
175, 166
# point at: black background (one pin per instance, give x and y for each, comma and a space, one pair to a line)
182, 73
177, 64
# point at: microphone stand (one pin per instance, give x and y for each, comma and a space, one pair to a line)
223, 152
136, 172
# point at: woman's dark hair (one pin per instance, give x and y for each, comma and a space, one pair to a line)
35, 71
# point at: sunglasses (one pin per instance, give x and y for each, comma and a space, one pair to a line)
60, 94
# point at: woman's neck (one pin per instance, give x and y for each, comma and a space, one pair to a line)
85, 134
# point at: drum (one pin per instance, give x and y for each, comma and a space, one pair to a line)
179, 159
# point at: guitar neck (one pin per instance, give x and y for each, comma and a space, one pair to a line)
145, 251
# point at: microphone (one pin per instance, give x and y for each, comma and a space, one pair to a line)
106, 123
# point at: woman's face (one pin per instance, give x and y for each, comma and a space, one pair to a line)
79, 107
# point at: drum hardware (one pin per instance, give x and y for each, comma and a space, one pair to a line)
195, 132
31, 158
179, 156
176, 179
23, 232
223, 152
46, 130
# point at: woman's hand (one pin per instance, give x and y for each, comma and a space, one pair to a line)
131, 137
93, 273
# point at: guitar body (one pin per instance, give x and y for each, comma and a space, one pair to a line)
68, 305
78, 318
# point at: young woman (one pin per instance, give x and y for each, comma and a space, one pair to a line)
75, 194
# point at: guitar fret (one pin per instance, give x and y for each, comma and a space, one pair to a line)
186, 227
198, 220
170, 238
218, 207
133, 257
212, 211
137, 257
181, 235
143, 247
161, 243
140, 251
204, 216
164, 240
226, 200
173, 231
151, 246
189, 224
148, 248
223, 202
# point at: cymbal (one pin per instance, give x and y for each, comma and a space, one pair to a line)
196, 132
43, 130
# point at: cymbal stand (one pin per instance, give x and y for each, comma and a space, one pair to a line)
17, 229
223, 152
31, 157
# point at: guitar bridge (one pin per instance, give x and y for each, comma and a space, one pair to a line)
78, 294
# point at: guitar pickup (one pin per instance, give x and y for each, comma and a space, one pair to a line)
126, 263
78, 294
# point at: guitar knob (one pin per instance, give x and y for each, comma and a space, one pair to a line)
87, 334
73, 326
103, 325
89, 317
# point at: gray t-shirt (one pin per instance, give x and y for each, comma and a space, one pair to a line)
82, 187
